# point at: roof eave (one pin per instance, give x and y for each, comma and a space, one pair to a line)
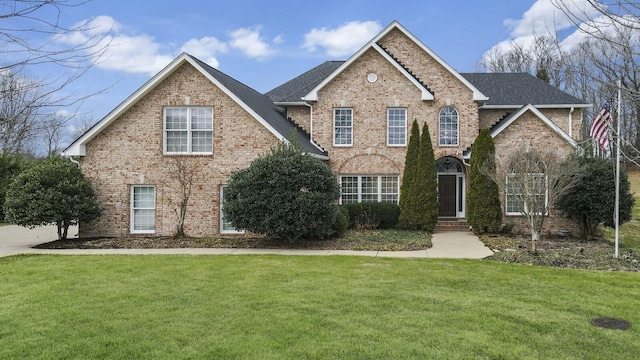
77, 148
542, 106
289, 103
542, 117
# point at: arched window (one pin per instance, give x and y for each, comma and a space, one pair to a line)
448, 126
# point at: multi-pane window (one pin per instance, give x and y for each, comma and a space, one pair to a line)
349, 189
342, 127
523, 192
369, 188
448, 125
226, 227
396, 126
188, 130
143, 209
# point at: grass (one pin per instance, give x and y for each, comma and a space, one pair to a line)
630, 231
387, 239
634, 180
278, 307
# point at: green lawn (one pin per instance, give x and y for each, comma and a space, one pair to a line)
630, 231
296, 307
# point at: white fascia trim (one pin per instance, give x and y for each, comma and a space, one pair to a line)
477, 94
321, 157
313, 94
290, 103
233, 96
542, 117
77, 148
543, 106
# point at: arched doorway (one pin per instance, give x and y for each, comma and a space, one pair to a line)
451, 187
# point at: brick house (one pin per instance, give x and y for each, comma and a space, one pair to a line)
353, 114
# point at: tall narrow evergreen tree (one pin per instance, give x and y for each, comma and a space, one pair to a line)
426, 189
408, 218
483, 198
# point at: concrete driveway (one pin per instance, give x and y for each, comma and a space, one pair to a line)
460, 245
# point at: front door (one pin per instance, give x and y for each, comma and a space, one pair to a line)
447, 195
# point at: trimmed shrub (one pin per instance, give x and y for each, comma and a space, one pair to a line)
54, 192
419, 191
408, 214
341, 221
287, 194
373, 215
484, 211
592, 201
426, 191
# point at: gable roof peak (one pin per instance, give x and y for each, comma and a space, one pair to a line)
372, 44
257, 105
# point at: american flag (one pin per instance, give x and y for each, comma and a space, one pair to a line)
600, 124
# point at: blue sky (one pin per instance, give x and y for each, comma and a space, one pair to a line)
265, 43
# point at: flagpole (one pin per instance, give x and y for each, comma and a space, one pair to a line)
617, 206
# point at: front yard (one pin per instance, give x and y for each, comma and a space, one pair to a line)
291, 307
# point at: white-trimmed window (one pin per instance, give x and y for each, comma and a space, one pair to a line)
448, 126
396, 126
369, 188
342, 127
226, 227
520, 195
188, 130
143, 209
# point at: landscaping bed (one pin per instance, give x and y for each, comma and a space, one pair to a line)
374, 240
565, 252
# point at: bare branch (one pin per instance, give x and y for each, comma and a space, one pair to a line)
532, 181
180, 172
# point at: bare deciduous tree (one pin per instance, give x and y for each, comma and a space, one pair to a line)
19, 103
52, 133
28, 41
610, 52
533, 180
180, 172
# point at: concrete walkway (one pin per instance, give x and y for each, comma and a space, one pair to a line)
460, 245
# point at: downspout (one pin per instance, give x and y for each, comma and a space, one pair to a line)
311, 126
571, 122
74, 161
310, 121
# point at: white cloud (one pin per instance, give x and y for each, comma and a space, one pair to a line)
249, 41
544, 18
117, 51
205, 49
343, 40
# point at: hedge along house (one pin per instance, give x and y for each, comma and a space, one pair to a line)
353, 114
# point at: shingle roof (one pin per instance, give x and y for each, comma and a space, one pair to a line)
503, 89
264, 107
518, 89
294, 89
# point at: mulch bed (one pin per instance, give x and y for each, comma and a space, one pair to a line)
244, 242
565, 252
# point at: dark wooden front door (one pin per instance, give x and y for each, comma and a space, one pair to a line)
447, 195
